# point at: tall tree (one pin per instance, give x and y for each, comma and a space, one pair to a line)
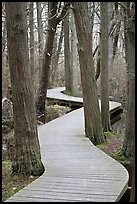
128, 147
55, 58
93, 126
27, 157
68, 68
129, 142
105, 114
40, 35
53, 21
117, 11
74, 57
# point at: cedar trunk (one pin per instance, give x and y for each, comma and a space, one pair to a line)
68, 69
27, 158
105, 114
53, 21
93, 127
129, 142
44, 80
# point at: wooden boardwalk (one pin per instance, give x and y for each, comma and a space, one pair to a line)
76, 170
56, 94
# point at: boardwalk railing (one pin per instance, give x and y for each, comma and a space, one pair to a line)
76, 170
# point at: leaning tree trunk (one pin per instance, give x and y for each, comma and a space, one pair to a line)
93, 127
53, 21
44, 79
27, 158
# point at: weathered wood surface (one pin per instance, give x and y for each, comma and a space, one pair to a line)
57, 94
76, 170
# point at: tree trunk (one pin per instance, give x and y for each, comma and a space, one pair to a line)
74, 58
68, 68
44, 79
93, 127
115, 42
111, 24
105, 114
27, 158
98, 65
129, 142
53, 20
132, 196
56, 57
31, 35
128, 147
40, 36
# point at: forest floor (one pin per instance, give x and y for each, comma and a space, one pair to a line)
114, 139
10, 185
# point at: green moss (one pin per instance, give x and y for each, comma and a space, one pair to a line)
102, 144
110, 134
10, 135
119, 156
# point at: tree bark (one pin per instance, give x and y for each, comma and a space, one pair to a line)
40, 35
55, 58
129, 142
53, 20
105, 114
74, 58
68, 68
31, 36
93, 127
44, 79
128, 147
27, 158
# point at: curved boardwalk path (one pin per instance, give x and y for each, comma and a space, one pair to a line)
76, 170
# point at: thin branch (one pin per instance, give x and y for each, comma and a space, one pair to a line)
64, 12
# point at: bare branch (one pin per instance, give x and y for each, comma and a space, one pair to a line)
64, 12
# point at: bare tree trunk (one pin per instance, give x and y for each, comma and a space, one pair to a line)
27, 158
116, 40
93, 126
53, 20
44, 79
105, 114
91, 8
56, 57
68, 69
126, 15
129, 142
128, 147
111, 24
40, 35
31, 35
74, 58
